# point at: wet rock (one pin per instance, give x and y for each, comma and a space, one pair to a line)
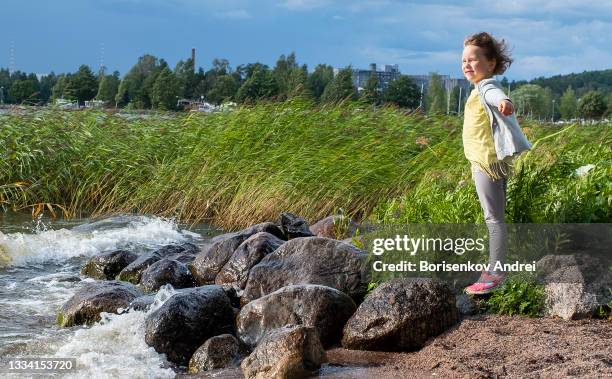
142, 303
400, 315
294, 226
186, 320
166, 271
87, 303
324, 308
184, 253
133, 272
217, 352
108, 264
338, 227
211, 260
174, 249
287, 352
576, 285
236, 271
310, 260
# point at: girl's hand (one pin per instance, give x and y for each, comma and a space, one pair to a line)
506, 107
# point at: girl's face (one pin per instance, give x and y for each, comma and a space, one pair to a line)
475, 64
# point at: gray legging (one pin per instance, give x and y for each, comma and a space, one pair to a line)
492, 196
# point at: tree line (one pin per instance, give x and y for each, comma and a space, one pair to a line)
152, 84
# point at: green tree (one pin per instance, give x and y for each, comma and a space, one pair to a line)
531, 101
454, 100
435, 99
59, 89
83, 84
224, 89
298, 82
370, 93
568, 106
46, 86
402, 92
165, 91
261, 84
340, 88
319, 79
282, 73
186, 77
109, 85
23, 91
609, 106
592, 105
132, 88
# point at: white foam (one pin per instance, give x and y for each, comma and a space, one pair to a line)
115, 347
58, 245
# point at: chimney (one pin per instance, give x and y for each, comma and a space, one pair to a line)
193, 58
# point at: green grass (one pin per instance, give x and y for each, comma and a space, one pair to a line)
236, 169
518, 295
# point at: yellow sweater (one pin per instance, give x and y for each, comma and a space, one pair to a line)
478, 144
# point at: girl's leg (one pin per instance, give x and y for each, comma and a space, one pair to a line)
492, 196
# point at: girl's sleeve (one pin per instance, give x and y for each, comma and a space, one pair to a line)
494, 95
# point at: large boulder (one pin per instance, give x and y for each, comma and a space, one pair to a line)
310, 260
294, 226
211, 260
576, 285
133, 272
289, 352
338, 227
324, 308
400, 315
217, 352
166, 271
108, 264
184, 253
91, 299
236, 271
186, 320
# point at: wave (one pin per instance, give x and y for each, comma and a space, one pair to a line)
140, 232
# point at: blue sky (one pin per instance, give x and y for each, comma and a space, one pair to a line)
546, 37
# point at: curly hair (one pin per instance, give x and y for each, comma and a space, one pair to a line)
493, 49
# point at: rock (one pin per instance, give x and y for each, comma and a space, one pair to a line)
184, 253
400, 315
142, 303
575, 285
288, 352
108, 264
217, 352
338, 227
236, 271
324, 308
87, 303
310, 260
186, 320
294, 226
211, 260
174, 249
166, 271
466, 305
133, 272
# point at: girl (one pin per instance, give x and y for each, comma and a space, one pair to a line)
491, 139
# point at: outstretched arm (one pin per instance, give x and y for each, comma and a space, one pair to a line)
495, 97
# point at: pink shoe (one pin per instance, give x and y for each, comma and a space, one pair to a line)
486, 283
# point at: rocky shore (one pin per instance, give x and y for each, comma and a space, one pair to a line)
281, 300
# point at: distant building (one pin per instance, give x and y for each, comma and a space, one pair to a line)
389, 74
96, 104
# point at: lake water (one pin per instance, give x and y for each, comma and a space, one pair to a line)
40, 264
